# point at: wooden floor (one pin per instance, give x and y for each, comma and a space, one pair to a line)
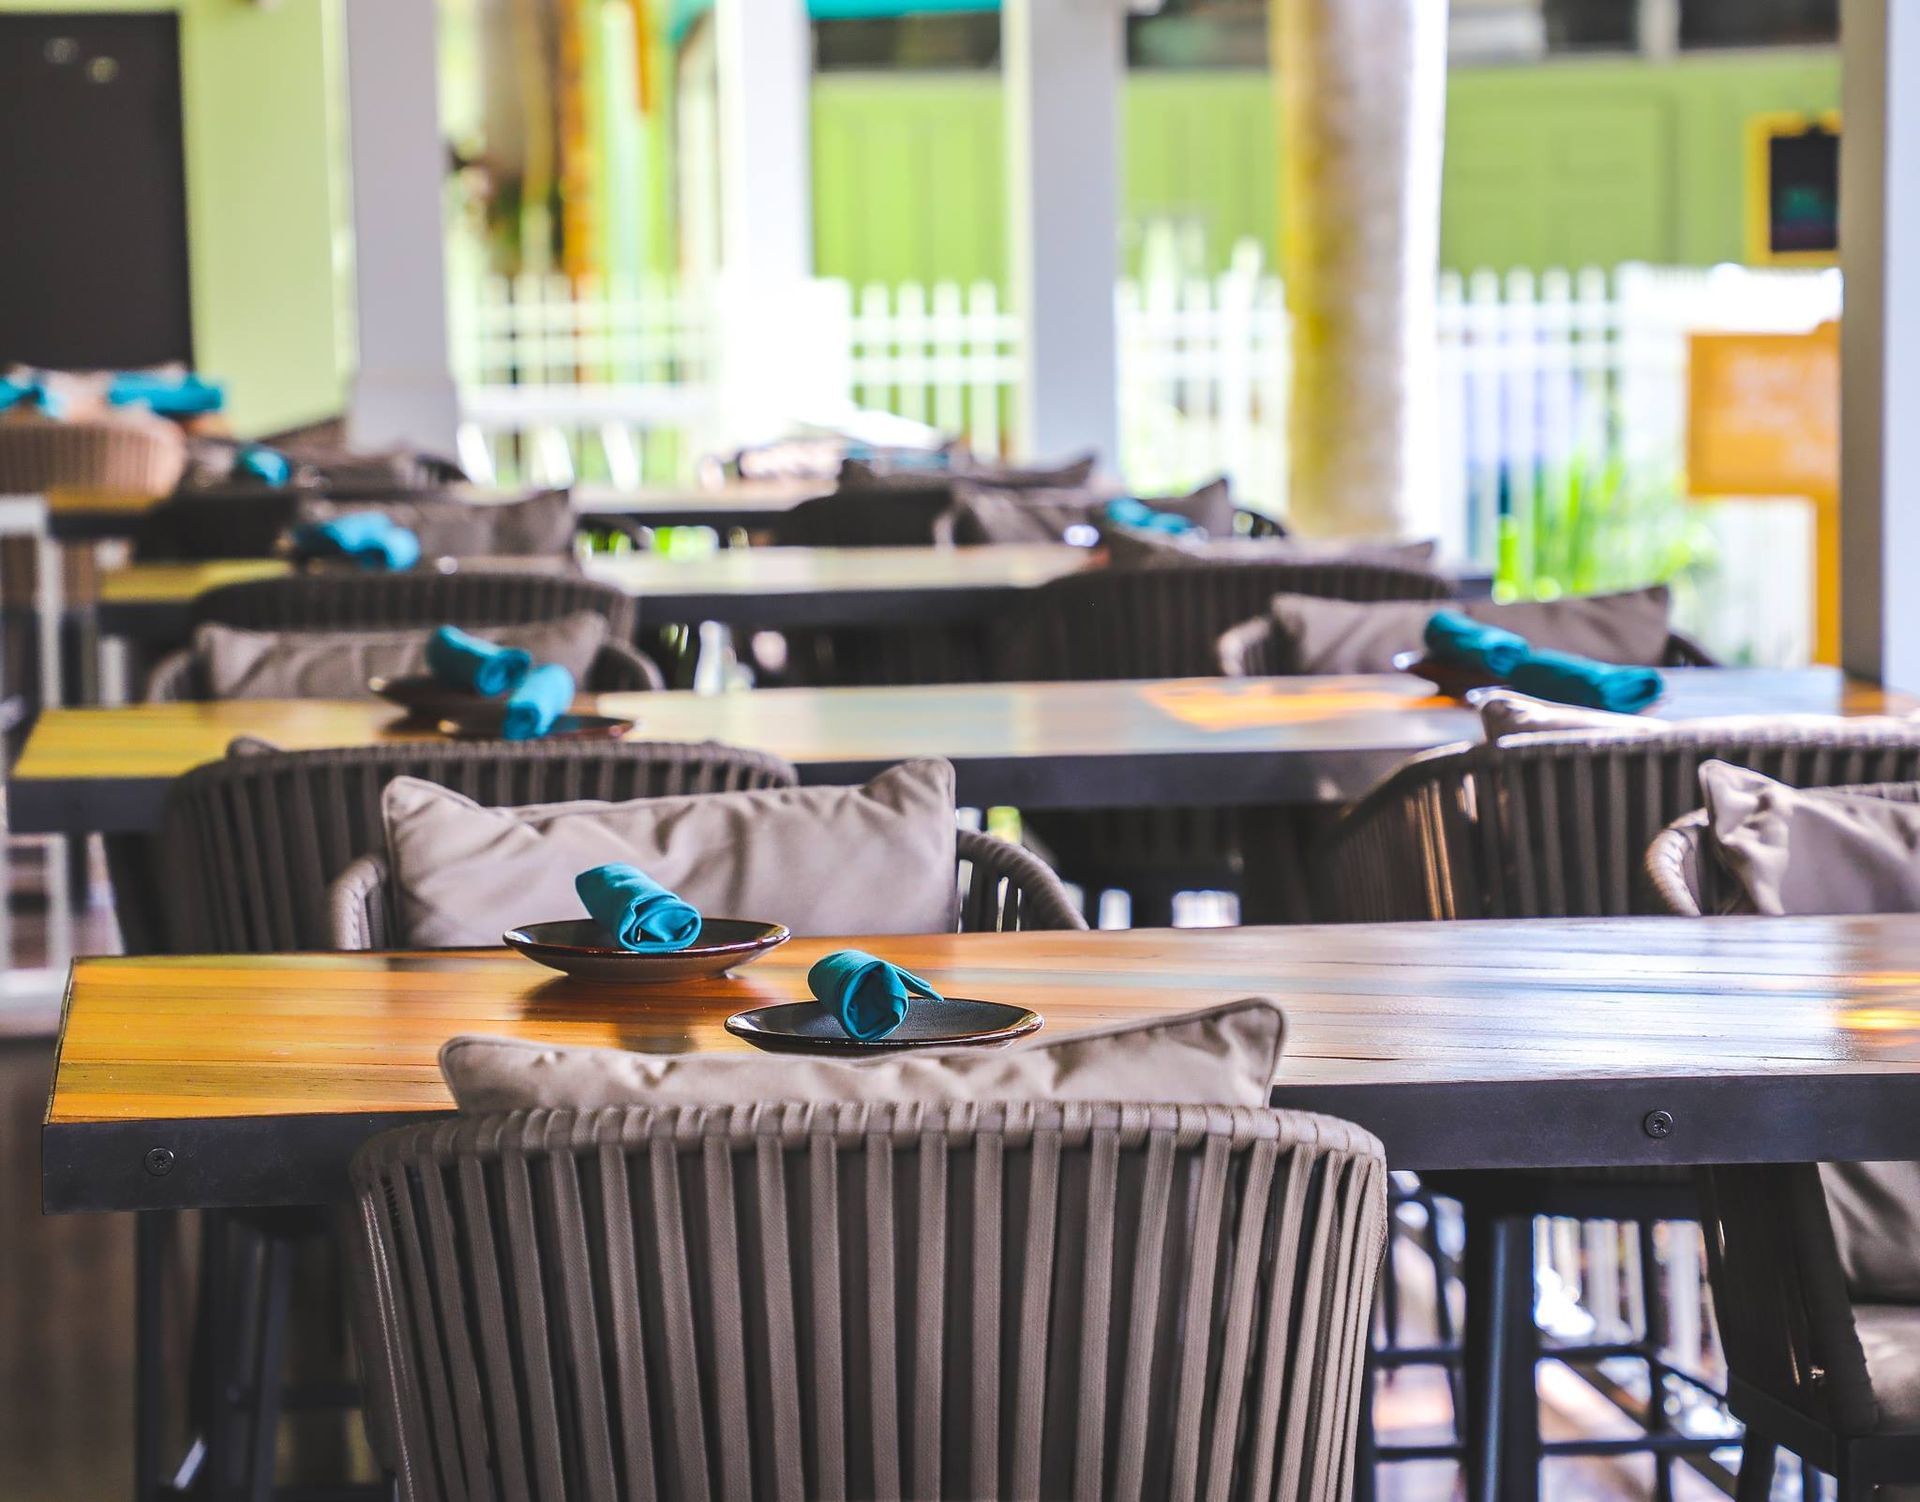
66, 1308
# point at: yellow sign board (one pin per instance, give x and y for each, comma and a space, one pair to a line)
1763, 420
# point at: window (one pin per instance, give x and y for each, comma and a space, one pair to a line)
1758, 23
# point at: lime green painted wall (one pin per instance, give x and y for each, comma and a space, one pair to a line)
268, 237
1567, 163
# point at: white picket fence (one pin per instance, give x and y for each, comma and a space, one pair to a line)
1561, 402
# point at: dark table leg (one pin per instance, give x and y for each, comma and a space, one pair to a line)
153, 1231
1502, 1349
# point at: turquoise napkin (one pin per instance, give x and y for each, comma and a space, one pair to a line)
867, 995
537, 700
171, 396
636, 910
473, 663
258, 462
1456, 638
368, 537
1567, 679
1129, 511
27, 390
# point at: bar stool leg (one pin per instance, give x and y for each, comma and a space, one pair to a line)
1755, 1483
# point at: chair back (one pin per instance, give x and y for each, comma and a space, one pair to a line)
1559, 825
251, 843
1166, 621
329, 601
1690, 882
879, 515
869, 1301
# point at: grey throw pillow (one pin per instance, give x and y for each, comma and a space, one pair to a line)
877, 859
1504, 712
236, 664
1222, 1056
1316, 635
1813, 850
449, 527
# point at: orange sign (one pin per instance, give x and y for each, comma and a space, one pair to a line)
1763, 414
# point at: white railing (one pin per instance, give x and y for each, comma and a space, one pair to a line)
1561, 402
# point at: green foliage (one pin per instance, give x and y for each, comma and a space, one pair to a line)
1597, 524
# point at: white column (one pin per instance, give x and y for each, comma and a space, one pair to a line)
1065, 62
763, 75
1363, 104
1880, 340
403, 391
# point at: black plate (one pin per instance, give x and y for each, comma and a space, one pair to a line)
484, 725
426, 696
1455, 682
807, 1027
578, 947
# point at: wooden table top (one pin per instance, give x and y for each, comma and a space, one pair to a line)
1534, 1043
1197, 741
763, 588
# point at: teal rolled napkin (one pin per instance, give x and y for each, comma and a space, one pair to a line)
460, 660
1570, 679
537, 700
1130, 511
256, 461
170, 396
369, 538
28, 391
636, 911
1465, 642
866, 995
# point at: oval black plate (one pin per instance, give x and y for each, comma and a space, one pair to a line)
484, 725
578, 947
807, 1027
1454, 682
426, 696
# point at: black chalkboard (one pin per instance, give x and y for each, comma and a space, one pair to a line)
1803, 193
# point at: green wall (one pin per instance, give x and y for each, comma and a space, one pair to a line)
1566, 163
267, 214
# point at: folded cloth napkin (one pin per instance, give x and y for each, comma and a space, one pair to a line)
1459, 639
256, 461
460, 660
1569, 679
865, 994
1129, 511
170, 396
27, 391
636, 910
370, 538
536, 701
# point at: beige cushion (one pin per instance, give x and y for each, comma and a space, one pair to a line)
1504, 712
1222, 1056
983, 513
878, 859
236, 664
452, 528
1812, 850
1339, 636
1141, 547
1875, 1208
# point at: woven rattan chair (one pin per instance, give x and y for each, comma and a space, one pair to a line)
1689, 883
1163, 622
369, 602
1559, 825
1252, 649
1003, 888
1556, 825
866, 1301
1779, 1287
252, 842
1808, 1368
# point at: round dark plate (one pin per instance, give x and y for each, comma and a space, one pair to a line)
807, 1027
579, 947
483, 724
1454, 682
424, 695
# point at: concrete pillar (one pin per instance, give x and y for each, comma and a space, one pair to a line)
403, 391
1065, 62
1363, 111
1880, 340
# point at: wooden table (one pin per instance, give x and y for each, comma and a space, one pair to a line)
1198, 742
746, 588
196, 1082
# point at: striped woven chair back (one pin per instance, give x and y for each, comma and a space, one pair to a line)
863, 1301
468, 597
